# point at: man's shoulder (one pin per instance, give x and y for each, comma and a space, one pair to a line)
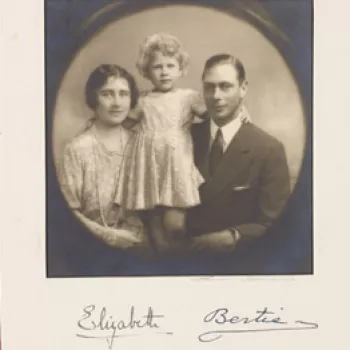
259, 137
252, 134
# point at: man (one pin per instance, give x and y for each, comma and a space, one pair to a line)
247, 178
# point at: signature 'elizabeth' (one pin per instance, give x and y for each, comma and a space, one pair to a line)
100, 324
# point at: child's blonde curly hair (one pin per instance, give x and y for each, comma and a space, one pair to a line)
165, 43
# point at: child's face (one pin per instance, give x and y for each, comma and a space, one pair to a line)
164, 71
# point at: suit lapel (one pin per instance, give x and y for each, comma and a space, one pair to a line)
201, 138
234, 160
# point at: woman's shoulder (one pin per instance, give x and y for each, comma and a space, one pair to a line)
81, 143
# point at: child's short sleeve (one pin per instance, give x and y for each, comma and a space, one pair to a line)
196, 102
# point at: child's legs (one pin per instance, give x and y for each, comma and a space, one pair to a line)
175, 243
153, 222
164, 244
158, 232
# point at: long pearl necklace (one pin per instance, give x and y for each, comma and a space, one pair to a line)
121, 154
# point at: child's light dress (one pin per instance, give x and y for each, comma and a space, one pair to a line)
158, 167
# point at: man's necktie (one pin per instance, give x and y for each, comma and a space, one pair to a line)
216, 152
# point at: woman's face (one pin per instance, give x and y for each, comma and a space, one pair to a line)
113, 101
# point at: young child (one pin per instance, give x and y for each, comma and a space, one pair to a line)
158, 169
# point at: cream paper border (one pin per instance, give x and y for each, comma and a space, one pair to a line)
41, 314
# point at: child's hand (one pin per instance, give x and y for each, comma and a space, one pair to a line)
197, 120
244, 116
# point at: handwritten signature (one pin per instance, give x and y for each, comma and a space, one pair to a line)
264, 321
99, 324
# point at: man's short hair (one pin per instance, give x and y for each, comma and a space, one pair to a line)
225, 58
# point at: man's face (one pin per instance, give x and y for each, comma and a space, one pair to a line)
223, 92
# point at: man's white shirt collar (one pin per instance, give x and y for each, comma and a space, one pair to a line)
229, 131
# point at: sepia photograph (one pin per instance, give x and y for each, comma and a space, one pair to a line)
178, 138
174, 174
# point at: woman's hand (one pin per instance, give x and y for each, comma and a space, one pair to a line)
120, 238
123, 238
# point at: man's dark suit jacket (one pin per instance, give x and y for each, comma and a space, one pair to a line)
249, 187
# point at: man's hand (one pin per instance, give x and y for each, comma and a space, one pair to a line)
217, 242
174, 221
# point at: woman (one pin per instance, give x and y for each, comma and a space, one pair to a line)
91, 162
